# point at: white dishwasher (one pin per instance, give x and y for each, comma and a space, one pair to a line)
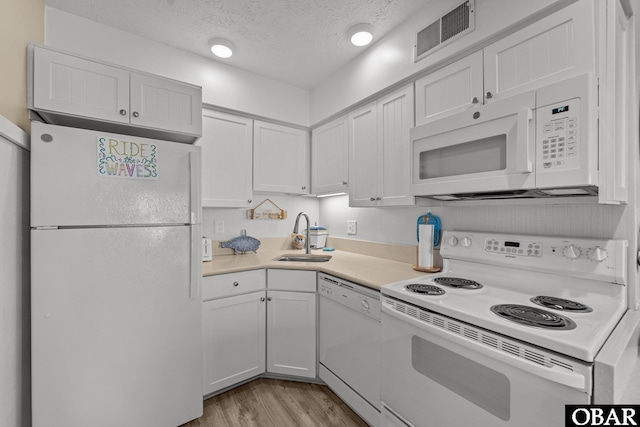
350, 344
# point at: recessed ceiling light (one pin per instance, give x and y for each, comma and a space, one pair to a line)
221, 48
361, 34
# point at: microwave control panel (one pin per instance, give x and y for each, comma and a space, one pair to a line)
558, 136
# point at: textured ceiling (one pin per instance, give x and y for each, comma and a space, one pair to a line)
299, 42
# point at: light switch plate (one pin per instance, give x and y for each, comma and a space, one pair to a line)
352, 226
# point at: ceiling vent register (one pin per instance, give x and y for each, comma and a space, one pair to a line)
444, 30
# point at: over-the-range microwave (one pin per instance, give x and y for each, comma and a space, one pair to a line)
540, 143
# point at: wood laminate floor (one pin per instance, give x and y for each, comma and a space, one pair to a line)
277, 403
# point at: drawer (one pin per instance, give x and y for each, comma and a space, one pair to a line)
224, 285
291, 280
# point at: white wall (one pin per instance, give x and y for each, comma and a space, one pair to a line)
390, 59
236, 219
15, 348
398, 224
222, 84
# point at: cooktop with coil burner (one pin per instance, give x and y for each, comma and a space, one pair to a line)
424, 289
566, 284
533, 316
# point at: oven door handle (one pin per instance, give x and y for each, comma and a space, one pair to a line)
553, 373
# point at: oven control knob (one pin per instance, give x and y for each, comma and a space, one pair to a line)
465, 242
597, 254
453, 240
571, 252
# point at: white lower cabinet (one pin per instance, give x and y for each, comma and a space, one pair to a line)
233, 344
291, 323
247, 330
291, 328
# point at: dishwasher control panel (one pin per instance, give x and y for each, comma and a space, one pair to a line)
356, 297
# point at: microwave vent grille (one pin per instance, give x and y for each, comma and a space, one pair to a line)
447, 28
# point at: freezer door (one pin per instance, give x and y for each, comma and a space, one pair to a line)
116, 327
86, 178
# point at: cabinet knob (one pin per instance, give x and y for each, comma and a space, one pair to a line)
268, 298
489, 95
378, 198
123, 112
235, 283
304, 188
344, 182
475, 100
262, 299
249, 201
373, 199
136, 114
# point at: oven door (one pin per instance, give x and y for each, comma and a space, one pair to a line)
491, 148
434, 377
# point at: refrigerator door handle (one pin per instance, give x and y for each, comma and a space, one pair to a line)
196, 262
196, 182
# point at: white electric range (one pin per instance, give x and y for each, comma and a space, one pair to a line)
508, 319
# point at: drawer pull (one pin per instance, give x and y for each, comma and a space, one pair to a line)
235, 283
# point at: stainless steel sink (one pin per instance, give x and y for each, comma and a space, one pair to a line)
303, 258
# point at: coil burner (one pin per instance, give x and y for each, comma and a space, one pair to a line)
423, 289
532, 316
561, 304
457, 282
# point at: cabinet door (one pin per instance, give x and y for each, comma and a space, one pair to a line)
165, 104
226, 160
233, 340
450, 90
395, 119
363, 156
615, 105
330, 157
70, 85
291, 332
559, 46
280, 159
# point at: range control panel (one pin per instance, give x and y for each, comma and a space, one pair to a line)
580, 257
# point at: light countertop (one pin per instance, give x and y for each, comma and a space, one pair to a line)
367, 270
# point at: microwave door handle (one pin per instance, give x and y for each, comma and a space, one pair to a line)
523, 160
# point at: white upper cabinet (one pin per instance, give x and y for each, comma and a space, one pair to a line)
69, 90
72, 85
450, 90
559, 46
227, 144
280, 159
165, 104
330, 157
379, 157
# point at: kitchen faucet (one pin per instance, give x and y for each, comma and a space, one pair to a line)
295, 230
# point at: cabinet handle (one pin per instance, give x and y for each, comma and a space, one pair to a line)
489, 95
136, 114
262, 299
235, 283
123, 112
268, 298
475, 100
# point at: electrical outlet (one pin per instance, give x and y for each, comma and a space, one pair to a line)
218, 226
352, 226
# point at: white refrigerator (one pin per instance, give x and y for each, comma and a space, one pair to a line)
116, 280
